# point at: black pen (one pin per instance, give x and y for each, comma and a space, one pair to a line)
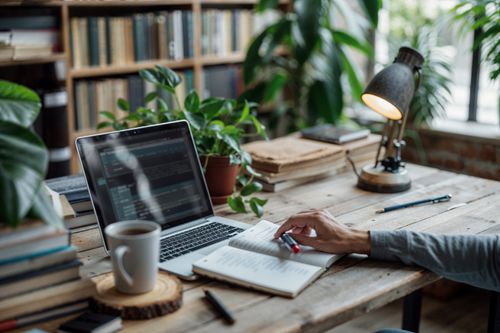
442, 198
217, 304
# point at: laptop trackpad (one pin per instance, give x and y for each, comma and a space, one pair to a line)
182, 266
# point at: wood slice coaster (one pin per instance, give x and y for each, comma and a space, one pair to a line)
166, 297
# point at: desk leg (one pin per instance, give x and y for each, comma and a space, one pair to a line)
494, 315
411, 311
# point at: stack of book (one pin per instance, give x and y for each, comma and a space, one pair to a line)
101, 41
229, 31
363, 151
27, 37
289, 161
39, 275
75, 200
93, 96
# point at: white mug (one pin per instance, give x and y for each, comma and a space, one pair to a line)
135, 253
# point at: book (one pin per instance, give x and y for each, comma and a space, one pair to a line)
73, 187
91, 322
61, 255
81, 220
46, 298
44, 315
33, 246
33, 280
333, 134
256, 260
22, 52
289, 153
328, 165
289, 183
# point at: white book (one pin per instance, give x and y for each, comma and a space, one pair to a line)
179, 42
256, 260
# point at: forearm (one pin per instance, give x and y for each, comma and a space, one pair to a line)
466, 258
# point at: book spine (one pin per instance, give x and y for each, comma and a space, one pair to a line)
109, 52
93, 35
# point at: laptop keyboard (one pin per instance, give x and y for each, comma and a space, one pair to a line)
194, 239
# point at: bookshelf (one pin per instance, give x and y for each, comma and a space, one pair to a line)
66, 10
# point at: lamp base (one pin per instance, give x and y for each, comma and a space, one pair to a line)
378, 180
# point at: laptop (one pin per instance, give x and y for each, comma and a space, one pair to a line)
153, 173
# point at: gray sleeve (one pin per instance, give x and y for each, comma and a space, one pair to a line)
472, 259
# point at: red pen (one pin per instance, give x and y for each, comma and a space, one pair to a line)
290, 243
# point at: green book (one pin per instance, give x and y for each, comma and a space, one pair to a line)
108, 41
139, 37
93, 35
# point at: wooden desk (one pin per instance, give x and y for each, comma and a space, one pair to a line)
354, 285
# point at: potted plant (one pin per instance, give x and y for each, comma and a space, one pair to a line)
305, 83
218, 126
23, 159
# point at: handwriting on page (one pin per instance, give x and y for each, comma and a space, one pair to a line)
256, 263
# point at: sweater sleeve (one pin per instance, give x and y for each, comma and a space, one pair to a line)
472, 259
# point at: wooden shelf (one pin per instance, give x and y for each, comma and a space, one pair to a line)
222, 59
104, 3
34, 61
78, 73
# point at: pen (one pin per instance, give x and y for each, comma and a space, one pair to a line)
290, 243
442, 198
217, 304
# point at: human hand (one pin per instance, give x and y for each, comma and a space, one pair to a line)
331, 235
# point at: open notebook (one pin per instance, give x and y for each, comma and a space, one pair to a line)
254, 259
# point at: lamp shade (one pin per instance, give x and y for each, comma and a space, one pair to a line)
391, 90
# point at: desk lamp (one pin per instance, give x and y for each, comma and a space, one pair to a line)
389, 93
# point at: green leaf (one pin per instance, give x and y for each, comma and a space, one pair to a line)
231, 142
307, 24
371, 8
192, 102
150, 97
251, 188
342, 37
123, 104
236, 204
279, 33
171, 78
245, 113
195, 120
107, 114
149, 75
253, 58
257, 206
261, 129
43, 209
23, 164
356, 86
211, 108
234, 160
104, 124
252, 171
274, 86
266, 4
18, 104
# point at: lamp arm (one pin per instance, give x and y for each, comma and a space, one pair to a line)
382, 142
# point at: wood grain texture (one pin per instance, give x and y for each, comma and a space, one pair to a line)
355, 284
165, 298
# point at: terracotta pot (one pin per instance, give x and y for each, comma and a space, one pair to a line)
220, 176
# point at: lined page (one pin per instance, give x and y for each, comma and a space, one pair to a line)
284, 277
259, 238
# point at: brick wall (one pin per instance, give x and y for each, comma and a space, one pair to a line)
470, 155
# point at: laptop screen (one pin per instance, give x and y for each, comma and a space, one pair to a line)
148, 173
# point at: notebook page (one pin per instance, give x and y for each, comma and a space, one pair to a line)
259, 238
257, 270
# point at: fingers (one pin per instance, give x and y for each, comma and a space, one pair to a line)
306, 240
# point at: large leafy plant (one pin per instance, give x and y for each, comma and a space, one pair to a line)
483, 15
409, 26
218, 126
23, 159
306, 81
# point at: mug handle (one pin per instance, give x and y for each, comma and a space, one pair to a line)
118, 254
